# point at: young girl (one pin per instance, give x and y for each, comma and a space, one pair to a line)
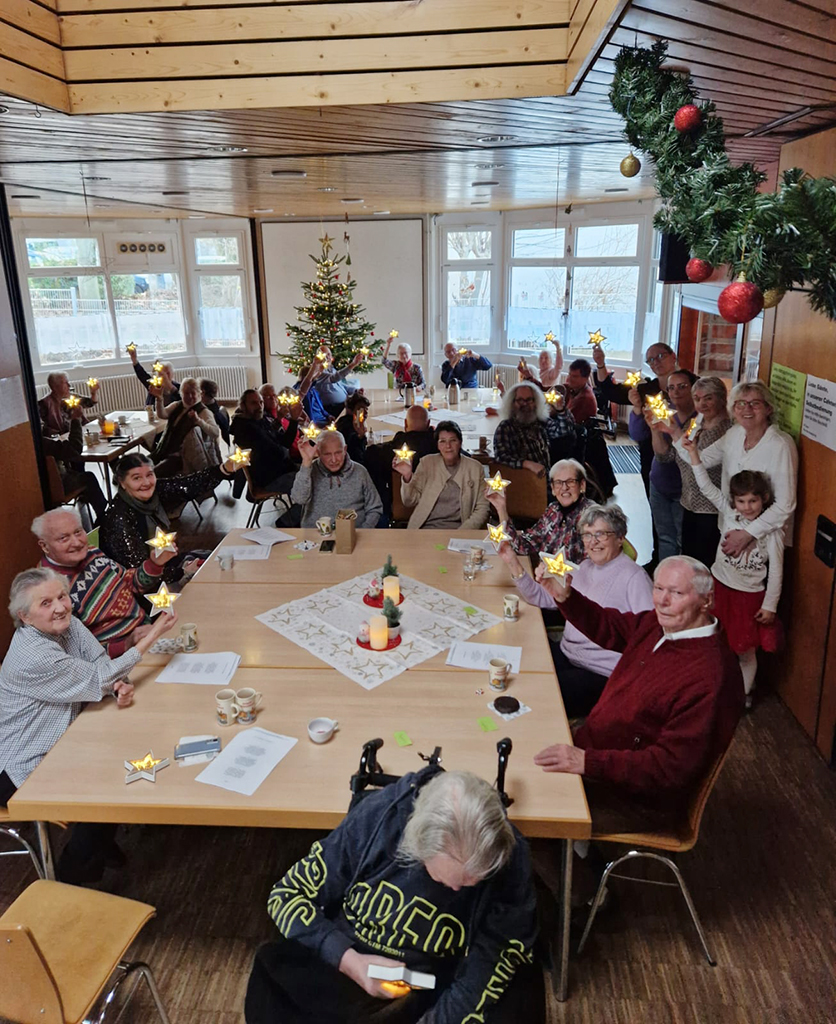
745, 607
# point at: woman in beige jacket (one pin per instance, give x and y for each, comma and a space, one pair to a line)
447, 490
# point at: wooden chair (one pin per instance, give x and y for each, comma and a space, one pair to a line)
57, 494
400, 513
59, 947
527, 496
673, 842
259, 497
25, 848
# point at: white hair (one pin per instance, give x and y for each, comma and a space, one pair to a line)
406, 347
572, 464
53, 378
40, 524
460, 815
539, 401
22, 585
612, 515
189, 380
335, 434
702, 579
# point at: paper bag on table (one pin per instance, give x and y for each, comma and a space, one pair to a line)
346, 531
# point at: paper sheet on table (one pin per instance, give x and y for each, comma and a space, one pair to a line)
465, 545
395, 418
247, 553
215, 669
266, 535
471, 655
247, 760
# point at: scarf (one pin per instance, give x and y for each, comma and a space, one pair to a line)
403, 373
154, 513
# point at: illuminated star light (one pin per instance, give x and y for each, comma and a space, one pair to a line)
553, 397
332, 426
595, 337
632, 379
130, 347
162, 600
557, 565
92, 382
659, 407
462, 351
157, 367
393, 334
241, 456
404, 454
497, 484
550, 337
321, 356
162, 541
497, 534
145, 768
156, 381
312, 432
287, 396
364, 351
71, 401
695, 426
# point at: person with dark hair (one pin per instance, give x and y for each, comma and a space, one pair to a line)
143, 503
209, 398
271, 467
170, 388
580, 398
352, 425
462, 366
418, 435
447, 491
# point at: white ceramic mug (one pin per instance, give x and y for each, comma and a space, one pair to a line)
499, 670
188, 635
226, 560
248, 701
511, 606
225, 707
477, 556
123, 419
320, 730
324, 526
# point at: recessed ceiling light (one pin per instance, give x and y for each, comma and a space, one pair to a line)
326, 188
479, 202
616, 190
380, 213
352, 200
289, 174
270, 210
176, 192
229, 149
197, 216
489, 167
489, 139
16, 195
476, 184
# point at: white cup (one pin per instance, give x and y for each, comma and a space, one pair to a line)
225, 707
499, 670
226, 560
511, 606
248, 701
188, 634
123, 419
320, 730
323, 524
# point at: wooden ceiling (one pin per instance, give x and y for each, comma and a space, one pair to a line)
422, 157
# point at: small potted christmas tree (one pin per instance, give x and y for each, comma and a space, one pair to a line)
388, 569
393, 617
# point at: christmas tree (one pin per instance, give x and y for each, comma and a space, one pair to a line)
331, 318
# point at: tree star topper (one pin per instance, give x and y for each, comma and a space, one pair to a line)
497, 483
162, 600
162, 541
633, 379
241, 456
404, 454
145, 768
595, 337
497, 534
326, 243
556, 565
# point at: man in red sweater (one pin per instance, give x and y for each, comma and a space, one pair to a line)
669, 709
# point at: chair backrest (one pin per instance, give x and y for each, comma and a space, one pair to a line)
56, 487
629, 550
400, 513
527, 496
251, 490
29, 993
700, 799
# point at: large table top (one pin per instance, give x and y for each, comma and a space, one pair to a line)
82, 778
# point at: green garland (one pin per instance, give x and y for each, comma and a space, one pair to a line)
776, 239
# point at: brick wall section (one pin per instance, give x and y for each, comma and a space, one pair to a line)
717, 344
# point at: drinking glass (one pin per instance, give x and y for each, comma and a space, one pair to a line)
469, 571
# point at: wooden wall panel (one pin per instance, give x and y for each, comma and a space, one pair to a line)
806, 341
31, 61
590, 27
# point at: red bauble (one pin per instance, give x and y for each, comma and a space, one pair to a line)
740, 302
698, 270
687, 118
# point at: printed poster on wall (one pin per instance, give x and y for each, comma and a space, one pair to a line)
820, 411
788, 386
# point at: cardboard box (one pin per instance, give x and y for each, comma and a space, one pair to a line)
346, 531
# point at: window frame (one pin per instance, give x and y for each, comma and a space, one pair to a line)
241, 269
448, 224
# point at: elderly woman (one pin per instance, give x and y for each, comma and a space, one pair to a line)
447, 491
606, 576
558, 526
700, 535
190, 439
405, 371
171, 389
754, 442
53, 667
328, 481
143, 503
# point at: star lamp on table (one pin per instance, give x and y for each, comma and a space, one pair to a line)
633, 379
241, 456
145, 768
162, 541
404, 454
497, 483
497, 534
557, 565
162, 601
595, 337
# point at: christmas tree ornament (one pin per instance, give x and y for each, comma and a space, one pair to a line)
404, 454
740, 302
162, 601
698, 270
72, 401
241, 457
772, 296
557, 565
497, 483
162, 541
687, 118
630, 165
633, 379
145, 767
596, 338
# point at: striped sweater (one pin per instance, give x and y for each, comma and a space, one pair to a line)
103, 596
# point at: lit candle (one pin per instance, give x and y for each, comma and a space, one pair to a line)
392, 588
378, 632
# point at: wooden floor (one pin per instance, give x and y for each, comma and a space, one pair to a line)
763, 876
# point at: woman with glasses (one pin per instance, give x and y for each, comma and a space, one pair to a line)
754, 443
606, 576
558, 526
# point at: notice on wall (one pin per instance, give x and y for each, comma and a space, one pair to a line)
820, 411
788, 386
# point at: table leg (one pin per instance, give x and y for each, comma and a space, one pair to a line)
108, 486
564, 909
46, 850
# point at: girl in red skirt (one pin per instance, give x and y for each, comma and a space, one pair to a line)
747, 587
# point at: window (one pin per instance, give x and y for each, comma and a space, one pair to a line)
148, 312
469, 283
71, 318
221, 287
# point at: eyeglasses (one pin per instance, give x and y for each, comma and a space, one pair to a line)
524, 401
565, 485
657, 358
588, 535
755, 403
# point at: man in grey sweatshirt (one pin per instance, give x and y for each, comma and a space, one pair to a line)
329, 481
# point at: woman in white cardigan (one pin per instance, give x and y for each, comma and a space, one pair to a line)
447, 491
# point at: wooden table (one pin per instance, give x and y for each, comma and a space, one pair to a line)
105, 453
82, 777
388, 403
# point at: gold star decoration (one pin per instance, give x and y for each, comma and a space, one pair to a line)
130, 347
364, 351
549, 337
553, 397
322, 356
695, 426
156, 381
287, 396
497, 534
332, 426
595, 337
92, 382
659, 407
632, 379
162, 541
393, 333
326, 243
497, 483
162, 600
556, 565
312, 432
72, 401
157, 367
462, 351
241, 456
145, 768
404, 454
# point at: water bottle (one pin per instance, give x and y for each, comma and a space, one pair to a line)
453, 395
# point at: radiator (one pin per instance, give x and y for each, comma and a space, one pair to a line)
508, 374
125, 392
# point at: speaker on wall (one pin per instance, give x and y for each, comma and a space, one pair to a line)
673, 256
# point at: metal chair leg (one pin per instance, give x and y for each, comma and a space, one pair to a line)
137, 970
259, 505
596, 903
692, 910
13, 833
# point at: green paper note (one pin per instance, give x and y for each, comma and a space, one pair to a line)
487, 724
295, 556
442, 569
402, 739
469, 610
441, 547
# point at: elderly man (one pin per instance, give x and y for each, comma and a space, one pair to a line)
462, 367
103, 593
428, 874
66, 454
328, 481
521, 440
55, 416
669, 709
271, 468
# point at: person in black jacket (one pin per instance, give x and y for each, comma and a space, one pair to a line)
428, 874
66, 454
352, 425
270, 466
209, 398
171, 389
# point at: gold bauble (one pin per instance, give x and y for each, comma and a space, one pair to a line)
772, 296
630, 166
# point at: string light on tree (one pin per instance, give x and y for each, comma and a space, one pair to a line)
162, 541
162, 601
596, 338
497, 483
557, 565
